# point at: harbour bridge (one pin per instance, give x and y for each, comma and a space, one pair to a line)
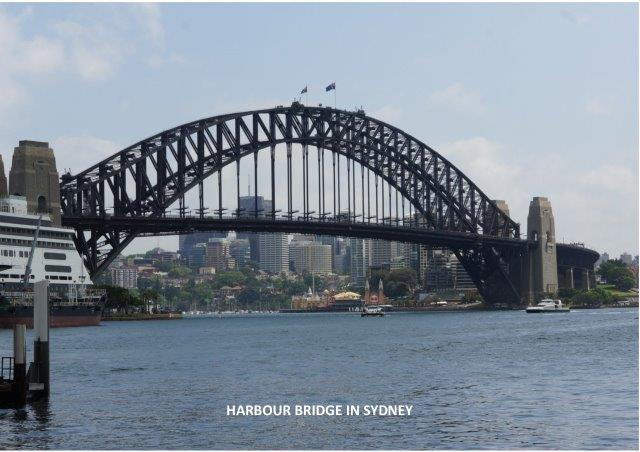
325, 170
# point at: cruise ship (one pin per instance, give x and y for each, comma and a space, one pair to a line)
73, 302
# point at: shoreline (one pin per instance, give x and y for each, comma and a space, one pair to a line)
138, 316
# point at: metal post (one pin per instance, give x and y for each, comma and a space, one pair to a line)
41, 332
19, 366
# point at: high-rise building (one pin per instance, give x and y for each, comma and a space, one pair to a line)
439, 274
240, 250
311, 257
248, 209
626, 258
195, 259
216, 254
187, 242
274, 253
360, 260
461, 279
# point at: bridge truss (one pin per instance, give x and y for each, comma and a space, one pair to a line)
325, 171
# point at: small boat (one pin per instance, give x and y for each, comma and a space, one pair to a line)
372, 311
547, 305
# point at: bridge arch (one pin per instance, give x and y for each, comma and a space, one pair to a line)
144, 180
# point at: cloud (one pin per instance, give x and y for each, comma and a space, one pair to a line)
91, 47
77, 153
576, 17
484, 162
613, 178
597, 106
149, 16
457, 97
388, 113
95, 50
23, 58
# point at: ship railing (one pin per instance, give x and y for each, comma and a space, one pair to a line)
26, 298
6, 368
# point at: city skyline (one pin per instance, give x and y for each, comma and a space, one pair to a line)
511, 114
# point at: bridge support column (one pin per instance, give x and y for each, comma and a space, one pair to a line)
586, 283
569, 278
543, 262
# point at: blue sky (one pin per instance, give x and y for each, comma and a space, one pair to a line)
528, 100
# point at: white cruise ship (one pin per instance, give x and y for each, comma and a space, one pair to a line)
55, 259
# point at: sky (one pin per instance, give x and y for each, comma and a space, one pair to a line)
527, 100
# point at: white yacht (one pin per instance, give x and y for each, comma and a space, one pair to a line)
547, 305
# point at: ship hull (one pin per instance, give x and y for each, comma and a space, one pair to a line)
59, 317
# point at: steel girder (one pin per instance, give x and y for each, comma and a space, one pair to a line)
145, 179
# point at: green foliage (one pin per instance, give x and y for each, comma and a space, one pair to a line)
397, 283
230, 278
619, 274
180, 271
591, 298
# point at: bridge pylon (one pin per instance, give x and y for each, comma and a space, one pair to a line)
542, 271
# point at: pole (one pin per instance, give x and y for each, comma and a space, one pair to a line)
41, 332
19, 366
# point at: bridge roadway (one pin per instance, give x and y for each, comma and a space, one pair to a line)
575, 263
171, 225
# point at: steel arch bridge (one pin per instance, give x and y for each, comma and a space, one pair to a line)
396, 188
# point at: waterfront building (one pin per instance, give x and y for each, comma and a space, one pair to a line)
274, 253
125, 277
374, 297
311, 257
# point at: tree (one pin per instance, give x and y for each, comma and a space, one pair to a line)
248, 296
618, 273
180, 271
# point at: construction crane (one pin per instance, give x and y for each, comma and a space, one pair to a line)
27, 270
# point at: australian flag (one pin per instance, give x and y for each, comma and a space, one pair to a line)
331, 86
304, 91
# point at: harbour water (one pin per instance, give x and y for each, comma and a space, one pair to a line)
475, 380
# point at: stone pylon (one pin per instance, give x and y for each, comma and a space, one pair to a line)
35, 176
542, 262
3, 180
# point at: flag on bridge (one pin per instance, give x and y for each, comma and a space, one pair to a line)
304, 90
332, 86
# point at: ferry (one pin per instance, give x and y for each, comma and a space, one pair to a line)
372, 311
547, 305
73, 302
